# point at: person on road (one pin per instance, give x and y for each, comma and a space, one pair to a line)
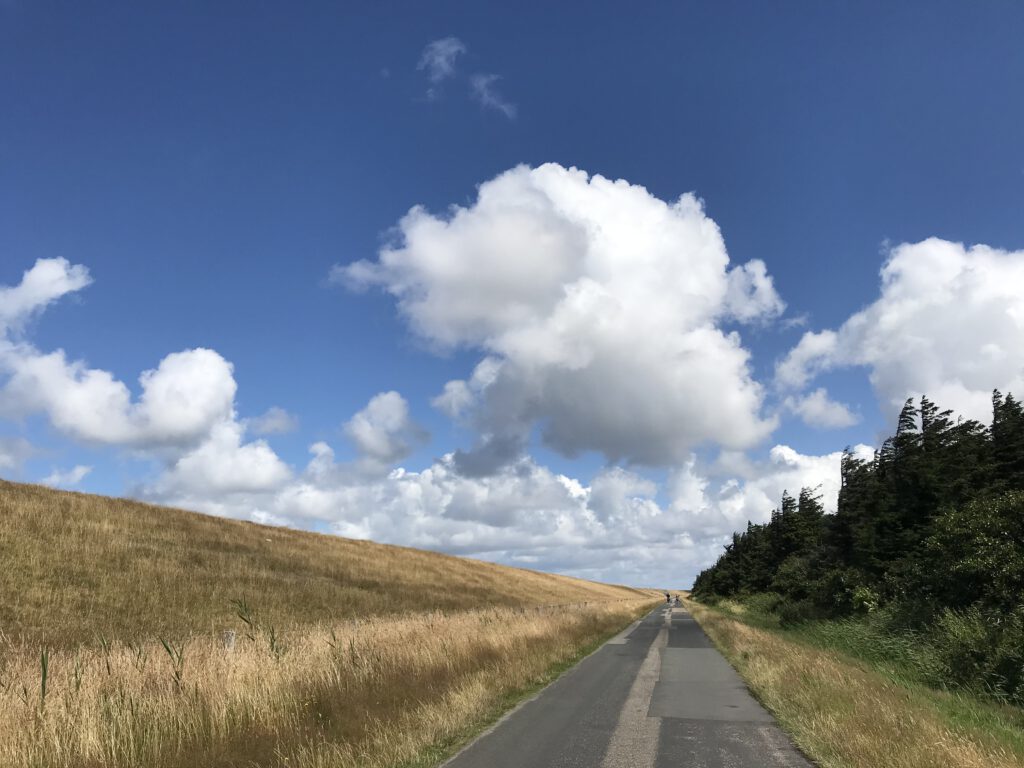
668, 598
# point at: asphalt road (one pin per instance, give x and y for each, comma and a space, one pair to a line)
657, 696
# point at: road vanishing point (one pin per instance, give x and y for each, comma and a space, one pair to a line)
659, 695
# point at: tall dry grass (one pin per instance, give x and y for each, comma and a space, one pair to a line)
79, 568
376, 692
846, 715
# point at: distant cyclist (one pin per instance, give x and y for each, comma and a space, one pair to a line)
668, 598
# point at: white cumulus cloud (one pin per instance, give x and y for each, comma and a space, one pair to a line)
599, 310
948, 323
184, 414
44, 283
181, 399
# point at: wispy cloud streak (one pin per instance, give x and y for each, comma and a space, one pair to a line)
438, 61
483, 90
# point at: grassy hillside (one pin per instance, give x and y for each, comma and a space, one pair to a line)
78, 567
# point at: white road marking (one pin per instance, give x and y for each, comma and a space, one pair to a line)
634, 742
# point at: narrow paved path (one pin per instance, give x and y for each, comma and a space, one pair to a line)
657, 696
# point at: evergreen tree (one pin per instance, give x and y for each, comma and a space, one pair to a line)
1007, 442
810, 515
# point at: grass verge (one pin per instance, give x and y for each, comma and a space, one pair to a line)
846, 712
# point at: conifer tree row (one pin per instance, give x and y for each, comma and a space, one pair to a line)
934, 521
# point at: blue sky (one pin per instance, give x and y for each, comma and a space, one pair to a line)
211, 166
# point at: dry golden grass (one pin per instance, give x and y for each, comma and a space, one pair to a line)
78, 567
376, 692
845, 715
113, 653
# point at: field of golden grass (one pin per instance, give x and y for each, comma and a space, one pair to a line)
844, 714
134, 635
380, 692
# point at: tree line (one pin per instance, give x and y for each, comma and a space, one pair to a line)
931, 530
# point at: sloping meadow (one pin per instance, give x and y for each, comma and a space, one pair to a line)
79, 568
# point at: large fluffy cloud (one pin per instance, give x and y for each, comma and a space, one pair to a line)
948, 323
599, 308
